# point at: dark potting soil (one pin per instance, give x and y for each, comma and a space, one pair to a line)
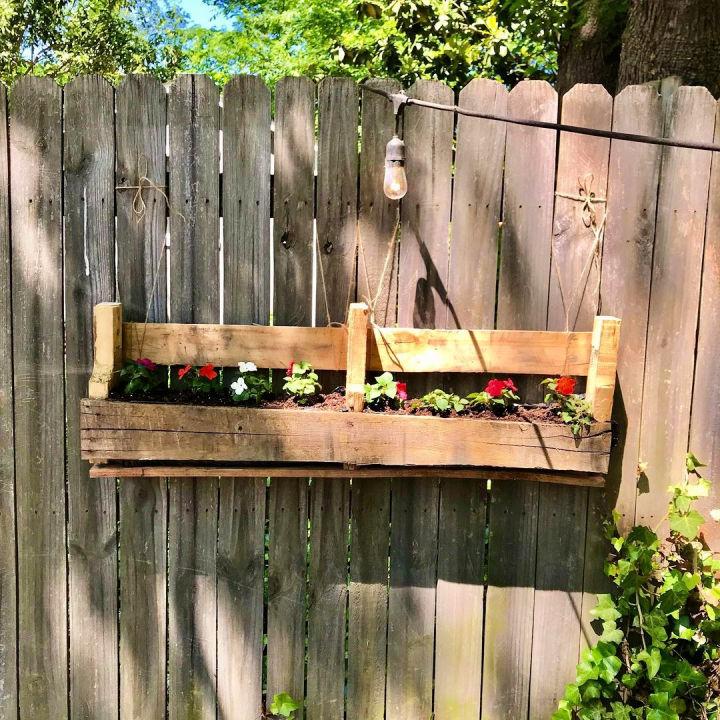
335, 402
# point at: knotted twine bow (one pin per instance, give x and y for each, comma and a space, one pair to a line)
589, 199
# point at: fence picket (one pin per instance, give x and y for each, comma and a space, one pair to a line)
674, 302
705, 421
522, 303
246, 262
8, 576
193, 120
89, 158
574, 298
140, 149
36, 223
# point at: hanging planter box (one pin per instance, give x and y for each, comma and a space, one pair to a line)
239, 440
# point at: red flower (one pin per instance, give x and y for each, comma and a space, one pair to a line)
182, 372
289, 371
510, 385
565, 386
147, 363
402, 390
495, 387
207, 371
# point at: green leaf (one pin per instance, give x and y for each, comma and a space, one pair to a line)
284, 704
687, 524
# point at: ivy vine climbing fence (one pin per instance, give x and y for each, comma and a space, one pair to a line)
384, 597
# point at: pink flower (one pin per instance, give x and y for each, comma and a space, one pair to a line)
495, 387
207, 371
402, 390
289, 371
182, 372
510, 385
147, 363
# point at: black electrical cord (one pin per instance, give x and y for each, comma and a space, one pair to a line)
399, 100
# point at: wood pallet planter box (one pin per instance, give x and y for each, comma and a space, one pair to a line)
137, 433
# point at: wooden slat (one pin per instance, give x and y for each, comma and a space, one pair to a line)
107, 337
293, 302
135, 431
705, 421
140, 150
460, 598
522, 304
246, 262
8, 576
393, 349
477, 206
674, 300
89, 157
603, 367
377, 215
357, 323
573, 303
36, 222
193, 120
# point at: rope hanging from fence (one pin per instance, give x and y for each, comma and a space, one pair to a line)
589, 199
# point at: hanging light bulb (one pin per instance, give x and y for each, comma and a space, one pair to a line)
395, 183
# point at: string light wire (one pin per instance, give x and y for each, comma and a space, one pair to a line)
400, 100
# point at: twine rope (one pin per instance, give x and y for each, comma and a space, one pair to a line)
589, 200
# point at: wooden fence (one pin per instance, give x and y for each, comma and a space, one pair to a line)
185, 598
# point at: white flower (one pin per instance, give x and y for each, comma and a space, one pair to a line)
239, 386
246, 367
715, 515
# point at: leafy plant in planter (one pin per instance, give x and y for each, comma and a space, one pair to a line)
498, 396
301, 382
250, 387
385, 392
441, 402
141, 377
201, 380
659, 654
572, 408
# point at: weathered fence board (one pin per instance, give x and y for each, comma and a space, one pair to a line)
375, 595
89, 159
8, 576
193, 123
140, 153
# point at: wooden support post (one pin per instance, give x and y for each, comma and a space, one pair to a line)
107, 330
356, 356
603, 366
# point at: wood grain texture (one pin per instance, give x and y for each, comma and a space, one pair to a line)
357, 327
89, 154
459, 611
241, 521
246, 200
377, 214
193, 120
8, 575
327, 598
573, 302
140, 150
116, 430
106, 340
674, 300
705, 419
337, 195
603, 367
522, 304
411, 609
36, 222
367, 626
477, 206
293, 211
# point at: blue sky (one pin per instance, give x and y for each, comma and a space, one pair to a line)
203, 14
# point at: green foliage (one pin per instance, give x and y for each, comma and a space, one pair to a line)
108, 37
498, 396
442, 403
450, 40
301, 382
250, 387
284, 705
658, 657
384, 392
141, 377
203, 380
573, 409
